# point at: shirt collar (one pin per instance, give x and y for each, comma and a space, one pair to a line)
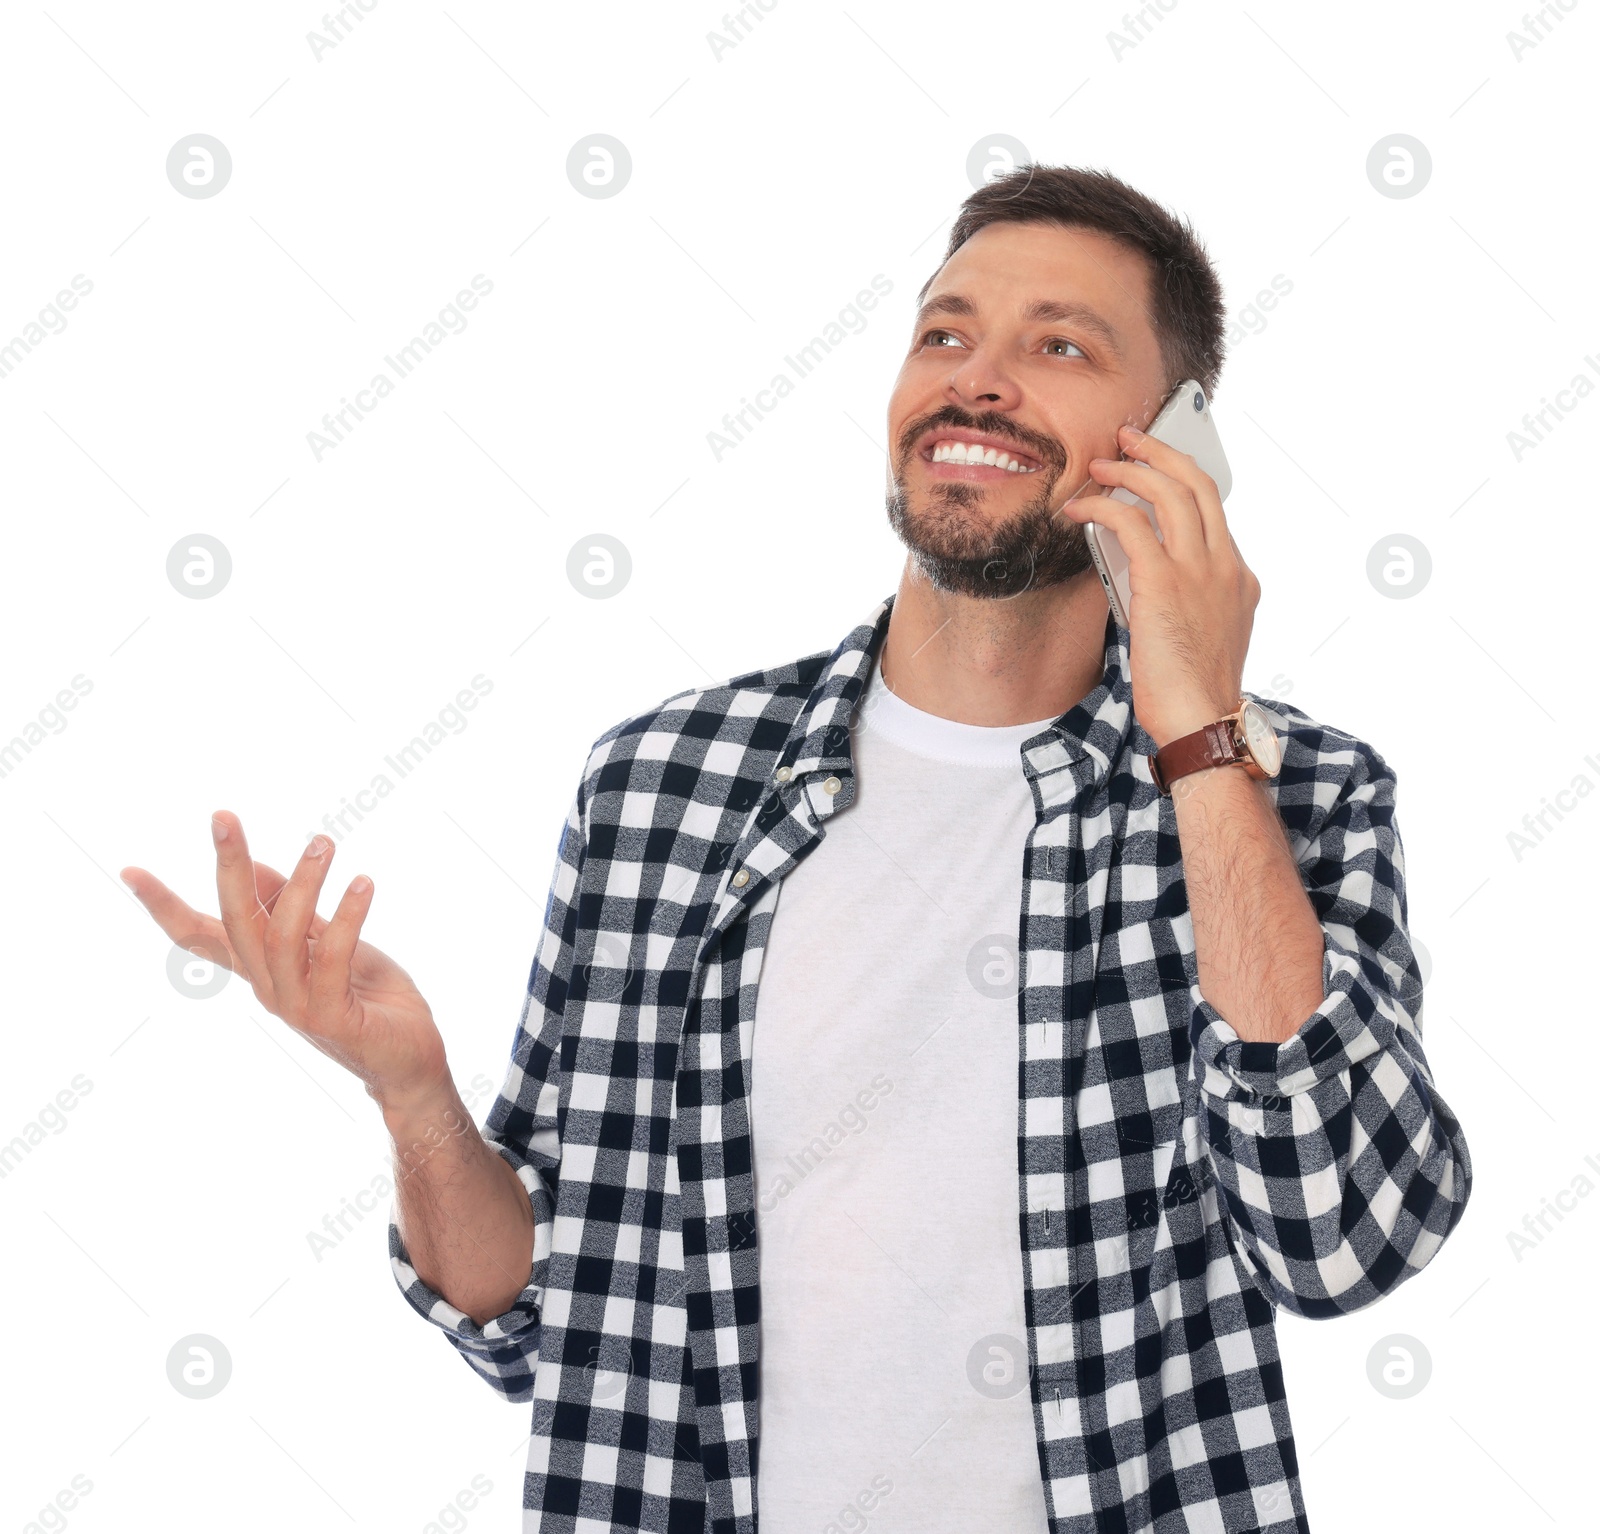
1087, 741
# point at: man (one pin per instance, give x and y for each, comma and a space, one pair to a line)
920, 1104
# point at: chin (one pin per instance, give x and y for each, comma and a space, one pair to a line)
956, 548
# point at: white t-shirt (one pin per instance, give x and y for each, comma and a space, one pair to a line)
894, 1367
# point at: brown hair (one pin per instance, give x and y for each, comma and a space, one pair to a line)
1187, 310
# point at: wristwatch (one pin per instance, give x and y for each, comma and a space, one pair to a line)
1244, 738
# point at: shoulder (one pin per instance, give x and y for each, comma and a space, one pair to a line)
733, 728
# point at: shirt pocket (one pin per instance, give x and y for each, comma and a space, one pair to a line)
1167, 1219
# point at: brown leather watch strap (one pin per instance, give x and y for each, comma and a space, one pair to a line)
1208, 747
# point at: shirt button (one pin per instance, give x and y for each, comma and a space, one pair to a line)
741, 878
783, 774
831, 785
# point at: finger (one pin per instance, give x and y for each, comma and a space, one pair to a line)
1176, 513
1182, 467
1247, 576
187, 927
269, 885
243, 918
329, 988
1129, 523
288, 962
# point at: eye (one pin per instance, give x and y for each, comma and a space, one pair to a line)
1063, 341
927, 335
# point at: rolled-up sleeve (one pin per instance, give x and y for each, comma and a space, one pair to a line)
521, 1127
1341, 1168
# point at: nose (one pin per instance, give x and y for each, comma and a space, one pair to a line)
980, 381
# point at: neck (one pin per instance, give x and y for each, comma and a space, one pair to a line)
993, 661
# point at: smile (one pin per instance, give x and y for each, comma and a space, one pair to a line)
976, 454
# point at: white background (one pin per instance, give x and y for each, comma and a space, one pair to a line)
768, 187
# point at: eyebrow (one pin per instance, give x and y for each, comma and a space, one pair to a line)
1047, 310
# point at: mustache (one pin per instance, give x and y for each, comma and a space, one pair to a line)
1046, 449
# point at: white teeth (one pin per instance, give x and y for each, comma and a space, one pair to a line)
972, 452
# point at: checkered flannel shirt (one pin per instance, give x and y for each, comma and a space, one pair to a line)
1176, 1183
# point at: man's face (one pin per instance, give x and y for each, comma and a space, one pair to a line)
1034, 340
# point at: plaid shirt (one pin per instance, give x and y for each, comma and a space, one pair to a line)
1176, 1182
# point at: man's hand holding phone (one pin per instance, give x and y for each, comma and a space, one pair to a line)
1193, 598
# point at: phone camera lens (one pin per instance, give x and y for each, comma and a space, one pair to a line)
1199, 401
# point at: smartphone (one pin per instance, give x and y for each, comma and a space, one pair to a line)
1185, 422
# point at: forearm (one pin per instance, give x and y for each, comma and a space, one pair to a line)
1258, 943
461, 1211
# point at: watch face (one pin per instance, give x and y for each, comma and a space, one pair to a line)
1261, 739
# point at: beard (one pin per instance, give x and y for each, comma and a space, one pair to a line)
955, 551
